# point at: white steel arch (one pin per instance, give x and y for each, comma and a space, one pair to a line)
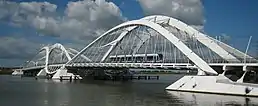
204, 39
55, 46
70, 50
46, 48
51, 68
168, 35
115, 42
232, 50
68, 53
61, 47
44, 58
45, 69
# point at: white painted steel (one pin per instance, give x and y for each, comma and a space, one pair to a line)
115, 42
230, 49
17, 72
233, 64
174, 40
47, 49
56, 46
193, 32
208, 84
213, 84
83, 56
200, 99
46, 66
60, 46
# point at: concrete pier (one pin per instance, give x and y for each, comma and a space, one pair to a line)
70, 78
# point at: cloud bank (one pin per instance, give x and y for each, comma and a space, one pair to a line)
188, 11
80, 19
78, 23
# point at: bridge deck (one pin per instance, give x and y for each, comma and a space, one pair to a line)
144, 65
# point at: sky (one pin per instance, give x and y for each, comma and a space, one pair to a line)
28, 25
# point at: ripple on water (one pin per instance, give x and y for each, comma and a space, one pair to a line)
16, 91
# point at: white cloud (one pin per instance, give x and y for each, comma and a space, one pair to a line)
81, 18
188, 11
24, 12
96, 15
81, 22
37, 7
198, 27
17, 48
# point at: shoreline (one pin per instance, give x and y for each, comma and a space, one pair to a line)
7, 70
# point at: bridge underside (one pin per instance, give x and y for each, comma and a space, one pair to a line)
31, 73
106, 73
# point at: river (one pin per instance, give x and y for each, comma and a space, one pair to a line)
17, 91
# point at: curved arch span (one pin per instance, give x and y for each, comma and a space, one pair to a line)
201, 64
46, 48
202, 38
70, 50
56, 46
45, 69
60, 46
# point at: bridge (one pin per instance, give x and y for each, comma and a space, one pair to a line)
151, 42
49, 59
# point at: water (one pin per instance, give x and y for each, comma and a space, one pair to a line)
16, 91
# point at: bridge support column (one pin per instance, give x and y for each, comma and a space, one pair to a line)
225, 69
201, 72
63, 72
245, 69
60, 72
241, 80
42, 72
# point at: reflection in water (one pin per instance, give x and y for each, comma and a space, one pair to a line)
16, 91
201, 99
55, 93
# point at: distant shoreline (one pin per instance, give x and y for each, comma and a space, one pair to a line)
7, 70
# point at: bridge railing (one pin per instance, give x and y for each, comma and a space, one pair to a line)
242, 60
248, 60
177, 61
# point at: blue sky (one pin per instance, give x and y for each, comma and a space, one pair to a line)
237, 19
233, 17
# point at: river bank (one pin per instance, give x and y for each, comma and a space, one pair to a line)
7, 70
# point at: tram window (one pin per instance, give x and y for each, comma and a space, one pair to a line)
138, 58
